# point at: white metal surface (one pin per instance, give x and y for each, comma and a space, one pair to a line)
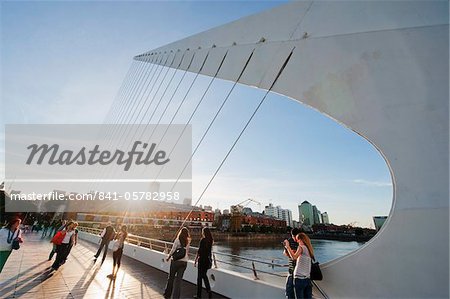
379, 68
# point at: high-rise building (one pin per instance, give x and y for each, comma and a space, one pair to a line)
379, 221
306, 215
217, 213
325, 219
286, 215
270, 210
317, 219
279, 213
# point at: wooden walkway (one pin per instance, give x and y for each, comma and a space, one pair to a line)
27, 274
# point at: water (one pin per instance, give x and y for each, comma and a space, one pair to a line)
272, 251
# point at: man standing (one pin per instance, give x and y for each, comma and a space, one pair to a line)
107, 235
290, 293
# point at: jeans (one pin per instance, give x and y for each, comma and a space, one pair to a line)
44, 232
201, 275
61, 255
117, 256
303, 288
290, 292
52, 253
106, 244
177, 269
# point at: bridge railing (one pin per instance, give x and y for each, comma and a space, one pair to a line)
253, 265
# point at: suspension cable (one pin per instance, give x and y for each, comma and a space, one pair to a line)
238, 137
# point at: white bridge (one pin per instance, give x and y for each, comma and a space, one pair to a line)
380, 68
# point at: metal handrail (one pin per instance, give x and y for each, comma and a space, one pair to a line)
252, 260
138, 240
319, 289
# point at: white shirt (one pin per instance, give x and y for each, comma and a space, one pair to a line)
176, 245
303, 267
67, 237
4, 246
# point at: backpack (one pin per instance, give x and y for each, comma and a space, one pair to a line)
59, 237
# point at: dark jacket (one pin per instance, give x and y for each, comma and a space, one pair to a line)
204, 254
109, 233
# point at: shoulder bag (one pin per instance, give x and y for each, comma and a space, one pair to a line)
179, 253
316, 273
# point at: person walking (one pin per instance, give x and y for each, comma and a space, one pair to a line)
54, 227
118, 249
62, 249
204, 261
290, 292
73, 241
107, 235
45, 225
178, 264
303, 255
60, 226
9, 236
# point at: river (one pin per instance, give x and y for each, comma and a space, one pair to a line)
270, 251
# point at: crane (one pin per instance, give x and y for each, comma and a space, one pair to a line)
236, 214
237, 209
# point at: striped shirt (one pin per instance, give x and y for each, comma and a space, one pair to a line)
303, 267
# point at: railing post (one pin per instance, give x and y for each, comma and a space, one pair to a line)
214, 260
254, 271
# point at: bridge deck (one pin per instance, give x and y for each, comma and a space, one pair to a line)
27, 274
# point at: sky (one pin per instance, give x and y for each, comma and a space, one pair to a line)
63, 63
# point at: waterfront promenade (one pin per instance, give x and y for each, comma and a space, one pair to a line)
27, 274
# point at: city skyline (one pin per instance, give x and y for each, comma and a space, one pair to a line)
290, 153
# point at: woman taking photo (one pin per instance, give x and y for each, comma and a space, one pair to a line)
204, 261
179, 255
8, 235
303, 255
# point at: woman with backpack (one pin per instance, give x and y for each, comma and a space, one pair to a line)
10, 237
179, 255
204, 261
302, 270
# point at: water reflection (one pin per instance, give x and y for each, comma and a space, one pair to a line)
272, 251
